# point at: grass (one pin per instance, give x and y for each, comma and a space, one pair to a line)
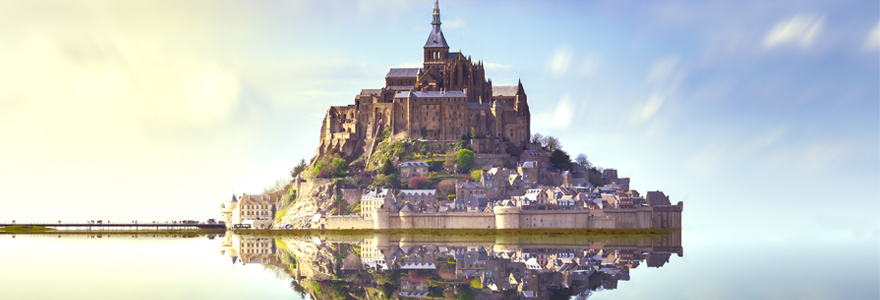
26, 229
38, 230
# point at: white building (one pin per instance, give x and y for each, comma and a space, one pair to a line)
256, 208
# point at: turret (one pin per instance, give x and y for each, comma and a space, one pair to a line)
436, 48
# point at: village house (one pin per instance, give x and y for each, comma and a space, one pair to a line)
533, 199
424, 200
609, 176
656, 198
373, 199
496, 182
411, 169
258, 211
465, 189
530, 174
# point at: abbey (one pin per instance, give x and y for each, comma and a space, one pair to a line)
446, 98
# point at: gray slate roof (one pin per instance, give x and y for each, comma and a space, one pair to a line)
431, 94
403, 72
436, 38
413, 164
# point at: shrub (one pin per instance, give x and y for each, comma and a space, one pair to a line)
476, 175
418, 182
446, 187
465, 159
383, 180
435, 165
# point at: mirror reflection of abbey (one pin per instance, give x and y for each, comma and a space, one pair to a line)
447, 97
387, 266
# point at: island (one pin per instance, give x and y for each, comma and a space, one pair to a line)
442, 147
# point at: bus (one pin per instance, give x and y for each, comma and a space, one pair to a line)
241, 226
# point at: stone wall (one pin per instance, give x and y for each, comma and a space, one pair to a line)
487, 160
347, 222
448, 220
352, 196
666, 216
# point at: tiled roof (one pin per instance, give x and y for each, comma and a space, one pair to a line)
417, 192
403, 72
431, 94
436, 38
413, 164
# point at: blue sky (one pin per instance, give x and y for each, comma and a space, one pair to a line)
745, 110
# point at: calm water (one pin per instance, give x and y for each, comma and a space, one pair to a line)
377, 266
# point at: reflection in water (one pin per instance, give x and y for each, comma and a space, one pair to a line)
463, 267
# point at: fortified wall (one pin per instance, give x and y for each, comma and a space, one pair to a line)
508, 217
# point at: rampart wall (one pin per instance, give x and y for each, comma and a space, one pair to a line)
347, 222
663, 216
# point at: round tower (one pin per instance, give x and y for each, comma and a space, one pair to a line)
380, 218
506, 217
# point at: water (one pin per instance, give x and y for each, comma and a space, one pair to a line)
124, 266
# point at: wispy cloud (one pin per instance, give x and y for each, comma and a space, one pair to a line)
559, 61
800, 30
662, 69
590, 65
454, 24
666, 77
872, 41
560, 118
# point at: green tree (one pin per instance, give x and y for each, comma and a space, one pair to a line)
465, 160
552, 143
583, 161
476, 175
466, 293
387, 167
338, 167
299, 168
383, 180
595, 177
560, 160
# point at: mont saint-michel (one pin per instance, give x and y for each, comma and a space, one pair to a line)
442, 147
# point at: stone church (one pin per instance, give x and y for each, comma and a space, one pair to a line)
448, 97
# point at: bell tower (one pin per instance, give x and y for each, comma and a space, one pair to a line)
436, 48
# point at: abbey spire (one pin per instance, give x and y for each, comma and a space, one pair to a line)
436, 21
436, 48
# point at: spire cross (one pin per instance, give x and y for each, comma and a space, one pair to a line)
436, 13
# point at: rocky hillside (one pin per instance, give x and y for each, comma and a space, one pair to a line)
314, 196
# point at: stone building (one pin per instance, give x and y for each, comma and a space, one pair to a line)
373, 199
420, 200
409, 169
256, 208
446, 98
466, 189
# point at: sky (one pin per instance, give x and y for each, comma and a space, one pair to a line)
762, 116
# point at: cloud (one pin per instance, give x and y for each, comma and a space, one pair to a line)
212, 93
664, 74
872, 41
662, 69
560, 61
499, 67
560, 118
454, 24
647, 110
800, 30
590, 65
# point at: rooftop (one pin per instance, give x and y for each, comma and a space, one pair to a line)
431, 94
403, 72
